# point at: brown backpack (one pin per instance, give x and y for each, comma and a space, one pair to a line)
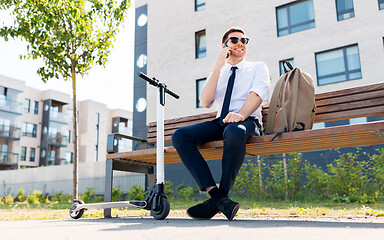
292, 106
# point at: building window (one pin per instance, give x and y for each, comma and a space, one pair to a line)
5, 128
199, 87
97, 137
4, 153
344, 9
68, 136
36, 107
27, 105
32, 154
199, 5
295, 17
142, 20
291, 61
68, 157
142, 61
3, 92
200, 45
23, 155
29, 129
338, 65
381, 4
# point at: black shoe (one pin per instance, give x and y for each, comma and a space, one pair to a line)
228, 207
203, 211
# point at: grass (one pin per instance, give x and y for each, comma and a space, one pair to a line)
249, 208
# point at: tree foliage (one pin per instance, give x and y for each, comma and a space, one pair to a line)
70, 36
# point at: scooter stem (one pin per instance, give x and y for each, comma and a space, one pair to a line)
160, 136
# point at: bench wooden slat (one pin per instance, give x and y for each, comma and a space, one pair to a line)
355, 113
309, 140
183, 119
152, 131
350, 91
349, 98
361, 104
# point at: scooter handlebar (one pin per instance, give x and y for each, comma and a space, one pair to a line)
156, 83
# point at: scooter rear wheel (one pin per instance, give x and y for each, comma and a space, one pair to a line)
163, 211
76, 214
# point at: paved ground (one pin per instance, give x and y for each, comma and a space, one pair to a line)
184, 228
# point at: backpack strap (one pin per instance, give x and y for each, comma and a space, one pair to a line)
288, 65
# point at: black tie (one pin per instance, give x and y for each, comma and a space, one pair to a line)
227, 98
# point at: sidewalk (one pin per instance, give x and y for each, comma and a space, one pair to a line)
184, 228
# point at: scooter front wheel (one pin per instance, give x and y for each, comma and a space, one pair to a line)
163, 210
76, 214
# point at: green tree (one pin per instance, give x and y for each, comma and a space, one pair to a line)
69, 36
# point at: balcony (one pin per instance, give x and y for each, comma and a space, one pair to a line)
125, 130
8, 160
11, 106
59, 117
10, 132
51, 160
58, 140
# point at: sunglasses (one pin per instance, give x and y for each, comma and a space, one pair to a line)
235, 40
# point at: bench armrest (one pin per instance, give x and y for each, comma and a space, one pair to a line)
112, 141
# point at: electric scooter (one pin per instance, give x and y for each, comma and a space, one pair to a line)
156, 200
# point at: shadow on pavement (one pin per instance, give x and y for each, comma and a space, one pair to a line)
138, 223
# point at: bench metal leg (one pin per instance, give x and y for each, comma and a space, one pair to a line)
108, 186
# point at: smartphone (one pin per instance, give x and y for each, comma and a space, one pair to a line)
225, 45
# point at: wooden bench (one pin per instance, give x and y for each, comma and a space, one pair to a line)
364, 101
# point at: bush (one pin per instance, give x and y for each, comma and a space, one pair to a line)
44, 198
185, 193
276, 180
8, 199
136, 193
88, 196
248, 181
168, 189
377, 186
116, 194
58, 197
34, 198
317, 182
2, 200
21, 197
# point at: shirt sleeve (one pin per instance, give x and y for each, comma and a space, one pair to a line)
261, 81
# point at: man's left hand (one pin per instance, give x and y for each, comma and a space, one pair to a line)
233, 118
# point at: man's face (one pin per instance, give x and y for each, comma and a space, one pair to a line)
238, 49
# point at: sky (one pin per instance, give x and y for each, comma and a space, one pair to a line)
112, 85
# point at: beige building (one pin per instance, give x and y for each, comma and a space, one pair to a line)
36, 127
338, 42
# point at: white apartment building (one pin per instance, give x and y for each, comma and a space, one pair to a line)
338, 42
36, 127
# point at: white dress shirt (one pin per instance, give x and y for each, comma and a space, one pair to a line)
250, 77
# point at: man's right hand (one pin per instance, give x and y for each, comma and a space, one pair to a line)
226, 51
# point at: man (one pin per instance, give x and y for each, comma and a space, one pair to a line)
237, 88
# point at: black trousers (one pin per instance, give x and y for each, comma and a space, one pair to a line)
235, 135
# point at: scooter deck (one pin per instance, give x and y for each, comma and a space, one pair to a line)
121, 204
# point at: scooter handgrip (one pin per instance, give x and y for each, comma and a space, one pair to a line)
148, 79
172, 93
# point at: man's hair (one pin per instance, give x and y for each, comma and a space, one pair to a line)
231, 30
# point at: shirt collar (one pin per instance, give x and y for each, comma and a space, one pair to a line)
239, 66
